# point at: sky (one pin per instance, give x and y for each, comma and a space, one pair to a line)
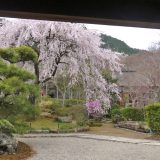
140, 38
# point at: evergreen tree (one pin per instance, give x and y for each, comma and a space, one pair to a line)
117, 45
17, 90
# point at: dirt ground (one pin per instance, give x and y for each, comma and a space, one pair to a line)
23, 152
109, 130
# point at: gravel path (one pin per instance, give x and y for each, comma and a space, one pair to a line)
73, 148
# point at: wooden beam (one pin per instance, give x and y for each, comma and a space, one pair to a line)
136, 13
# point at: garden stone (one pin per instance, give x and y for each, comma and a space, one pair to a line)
46, 115
10, 149
83, 129
39, 131
132, 125
53, 131
66, 119
8, 144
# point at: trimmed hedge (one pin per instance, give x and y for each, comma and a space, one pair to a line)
127, 114
152, 116
133, 114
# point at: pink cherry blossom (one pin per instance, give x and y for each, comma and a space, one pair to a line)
73, 45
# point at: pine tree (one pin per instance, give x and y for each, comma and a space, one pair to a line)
17, 89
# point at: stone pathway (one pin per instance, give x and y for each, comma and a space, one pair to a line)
91, 147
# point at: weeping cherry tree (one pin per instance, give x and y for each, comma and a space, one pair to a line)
61, 44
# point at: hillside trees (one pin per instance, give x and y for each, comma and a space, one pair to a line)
117, 45
17, 91
60, 44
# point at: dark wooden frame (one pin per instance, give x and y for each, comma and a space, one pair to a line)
136, 13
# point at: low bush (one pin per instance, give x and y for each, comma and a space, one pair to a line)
116, 115
109, 110
46, 104
62, 111
132, 114
56, 107
54, 104
73, 102
152, 117
6, 127
49, 103
22, 128
116, 106
31, 113
78, 114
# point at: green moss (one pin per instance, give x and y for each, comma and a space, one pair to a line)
44, 123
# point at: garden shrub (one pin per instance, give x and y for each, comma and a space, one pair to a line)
109, 110
78, 114
116, 115
152, 117
116, 106
31, 113
48, 104
22, 128
62, 111
95, 109
6, 127
56, 104
73, 102
132, 114
73, 108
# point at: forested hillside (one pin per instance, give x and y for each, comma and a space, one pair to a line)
117, 45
